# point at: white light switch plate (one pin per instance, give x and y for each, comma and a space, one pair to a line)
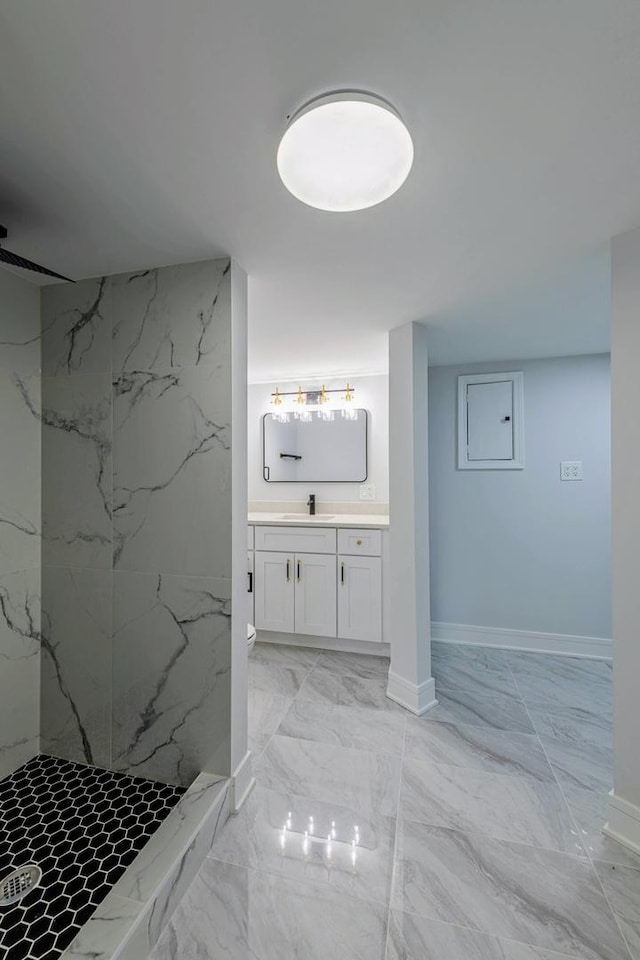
368, 491
571, 470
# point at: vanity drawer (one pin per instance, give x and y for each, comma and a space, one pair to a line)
365, 542
296, 539
249, 538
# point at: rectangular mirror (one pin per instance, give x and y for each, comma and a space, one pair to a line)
315, 451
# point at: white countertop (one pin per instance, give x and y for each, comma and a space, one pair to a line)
362, 521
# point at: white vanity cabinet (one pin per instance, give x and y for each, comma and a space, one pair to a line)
315, 613
274, 591
360, 598
318, 582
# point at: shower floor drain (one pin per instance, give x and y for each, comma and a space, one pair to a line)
19, 883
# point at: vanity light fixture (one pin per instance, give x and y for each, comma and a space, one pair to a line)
318, 401
349, 412
343, 151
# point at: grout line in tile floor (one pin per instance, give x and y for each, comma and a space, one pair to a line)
573, 819
394, 836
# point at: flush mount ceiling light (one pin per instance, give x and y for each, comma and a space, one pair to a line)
345, 151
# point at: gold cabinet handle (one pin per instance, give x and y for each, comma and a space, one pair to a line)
358, 543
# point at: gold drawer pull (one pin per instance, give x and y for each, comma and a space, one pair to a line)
358, 543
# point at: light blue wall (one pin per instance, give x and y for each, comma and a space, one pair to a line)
520, 549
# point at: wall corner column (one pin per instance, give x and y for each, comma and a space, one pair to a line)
410, 681
624, 803
241, 762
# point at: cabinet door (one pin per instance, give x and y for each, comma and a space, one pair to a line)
360, 598
315, 594
250, 587
274, 591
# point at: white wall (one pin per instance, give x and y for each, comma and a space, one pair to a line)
624, 808
371, 393
520, 549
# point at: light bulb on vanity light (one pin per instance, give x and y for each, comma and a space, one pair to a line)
349, 411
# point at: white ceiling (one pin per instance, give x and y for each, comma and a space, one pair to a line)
142, 132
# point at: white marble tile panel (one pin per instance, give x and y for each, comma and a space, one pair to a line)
76, 469
76, 328
19, 327
171, 457
171, 675
175, 316
20, 479
19, 668
76, 664
109, 933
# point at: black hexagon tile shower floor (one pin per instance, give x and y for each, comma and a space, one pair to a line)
83, 827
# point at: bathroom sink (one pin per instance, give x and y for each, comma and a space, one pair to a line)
305, 516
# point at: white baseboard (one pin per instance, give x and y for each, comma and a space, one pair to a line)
526, 640
624, 822
374, 649
418, 698
242, 782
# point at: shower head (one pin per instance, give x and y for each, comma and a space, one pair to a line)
17, 261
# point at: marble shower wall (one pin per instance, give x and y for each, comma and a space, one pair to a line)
19, 521
136, 505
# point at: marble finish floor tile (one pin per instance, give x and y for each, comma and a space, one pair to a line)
574, 724
622, 888
469, 849
284, 681
283, 655
266, 710
490, 804
550, 682
348, 691
549, 900
578, 764
234, 913
287, 835
483, 672
484, 658
590, 810
354, 664
479, 748
362, 728
321, 771
485, 710
415, 938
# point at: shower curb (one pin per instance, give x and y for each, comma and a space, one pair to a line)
129, 921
